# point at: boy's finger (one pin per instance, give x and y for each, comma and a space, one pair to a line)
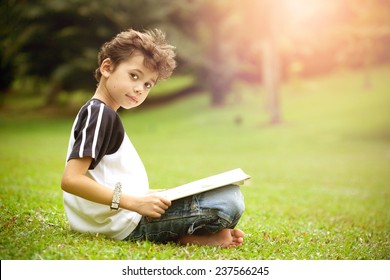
166, 201
164, 206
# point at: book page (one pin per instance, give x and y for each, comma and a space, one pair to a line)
235, 176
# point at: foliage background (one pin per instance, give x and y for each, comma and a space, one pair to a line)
53, 44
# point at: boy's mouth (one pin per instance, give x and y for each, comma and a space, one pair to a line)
132, 98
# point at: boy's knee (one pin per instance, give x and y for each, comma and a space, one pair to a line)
236, 202
230, 203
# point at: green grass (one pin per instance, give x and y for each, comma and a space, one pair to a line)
320, 184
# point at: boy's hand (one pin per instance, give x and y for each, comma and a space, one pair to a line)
151, 205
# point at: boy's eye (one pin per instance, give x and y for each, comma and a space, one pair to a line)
134, 76
148, 85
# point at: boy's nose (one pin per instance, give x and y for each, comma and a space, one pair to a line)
138, 90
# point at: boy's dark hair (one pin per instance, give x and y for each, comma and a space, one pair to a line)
158, 54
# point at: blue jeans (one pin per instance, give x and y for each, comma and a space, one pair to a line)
204, 213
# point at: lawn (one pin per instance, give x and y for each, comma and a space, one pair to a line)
320, 186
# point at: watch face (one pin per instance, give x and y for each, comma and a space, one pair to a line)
114, 206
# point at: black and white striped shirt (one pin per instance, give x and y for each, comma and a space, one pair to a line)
98, 132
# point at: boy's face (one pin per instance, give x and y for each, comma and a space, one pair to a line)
129, 84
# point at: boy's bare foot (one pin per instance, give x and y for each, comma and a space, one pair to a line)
225, 238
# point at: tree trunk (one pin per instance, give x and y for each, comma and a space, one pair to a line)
54, 92
271, 80
218, 90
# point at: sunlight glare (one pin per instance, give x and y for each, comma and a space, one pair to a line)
303, 10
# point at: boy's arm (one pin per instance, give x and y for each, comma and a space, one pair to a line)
75, 181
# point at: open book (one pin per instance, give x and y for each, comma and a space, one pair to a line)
235, 176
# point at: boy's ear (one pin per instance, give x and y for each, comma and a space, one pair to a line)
106, 67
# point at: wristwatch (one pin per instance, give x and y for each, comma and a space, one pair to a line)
116, 197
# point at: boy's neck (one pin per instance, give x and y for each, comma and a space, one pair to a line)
102, 94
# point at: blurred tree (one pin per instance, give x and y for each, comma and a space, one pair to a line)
49, 43
9, 26
57, 41
263, 26
207, 25
313, 34
366, 35
217, 41
234, 39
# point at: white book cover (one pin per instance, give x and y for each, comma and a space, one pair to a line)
235, 176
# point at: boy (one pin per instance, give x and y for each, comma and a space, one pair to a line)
105, 185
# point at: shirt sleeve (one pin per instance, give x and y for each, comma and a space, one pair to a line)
98, 132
